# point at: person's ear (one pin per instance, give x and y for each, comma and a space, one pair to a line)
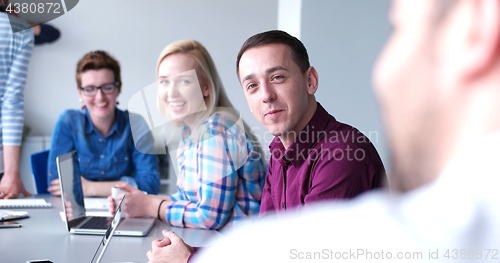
312, 80
480, 21
79, 91
205, 90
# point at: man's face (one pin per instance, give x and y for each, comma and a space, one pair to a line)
405, 78
275, 88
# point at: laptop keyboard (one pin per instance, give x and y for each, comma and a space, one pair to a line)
97, 223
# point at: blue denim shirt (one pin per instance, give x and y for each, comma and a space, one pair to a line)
110, 158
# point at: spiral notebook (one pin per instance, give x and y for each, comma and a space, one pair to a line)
24, 203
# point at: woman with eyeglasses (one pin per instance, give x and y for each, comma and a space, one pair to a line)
101, 134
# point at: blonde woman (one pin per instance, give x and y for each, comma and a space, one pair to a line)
220, 168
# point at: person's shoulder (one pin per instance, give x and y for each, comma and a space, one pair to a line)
131, 115
341, 134
4, 17
15, 23
339, 219
125, 115
220, 119
218, 122
126, 118
136, 121
72, 114
71, 118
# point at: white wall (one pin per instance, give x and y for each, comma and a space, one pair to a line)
135, 32
343, 39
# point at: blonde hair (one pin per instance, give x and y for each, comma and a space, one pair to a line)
217, 97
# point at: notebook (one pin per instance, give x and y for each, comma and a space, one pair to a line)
71, 188
103, 245
24, 203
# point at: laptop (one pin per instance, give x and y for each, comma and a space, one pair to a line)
103, 245
71, 189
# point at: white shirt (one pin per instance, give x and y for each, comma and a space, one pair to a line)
456, 218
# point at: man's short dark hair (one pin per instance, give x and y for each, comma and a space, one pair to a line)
299, 52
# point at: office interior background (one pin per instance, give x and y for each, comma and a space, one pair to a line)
343, 39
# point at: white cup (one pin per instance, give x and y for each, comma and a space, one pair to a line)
115, 194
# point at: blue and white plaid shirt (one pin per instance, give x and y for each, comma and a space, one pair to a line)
221, 176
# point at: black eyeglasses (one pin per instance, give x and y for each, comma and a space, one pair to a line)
91, 91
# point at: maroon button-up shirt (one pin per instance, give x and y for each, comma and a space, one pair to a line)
327, 160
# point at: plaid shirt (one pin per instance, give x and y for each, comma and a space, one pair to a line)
221, 176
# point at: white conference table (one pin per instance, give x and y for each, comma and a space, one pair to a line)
44, 236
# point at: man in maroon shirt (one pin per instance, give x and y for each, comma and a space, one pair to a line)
313, 156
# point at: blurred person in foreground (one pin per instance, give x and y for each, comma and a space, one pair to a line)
438, 84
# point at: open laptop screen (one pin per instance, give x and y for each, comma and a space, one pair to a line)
69, 176
109, 233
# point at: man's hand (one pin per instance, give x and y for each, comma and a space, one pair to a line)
137, 202
170, 249
69, 210
132, 193
37, 29
111, 205
111, 202
11, 186
55, 187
